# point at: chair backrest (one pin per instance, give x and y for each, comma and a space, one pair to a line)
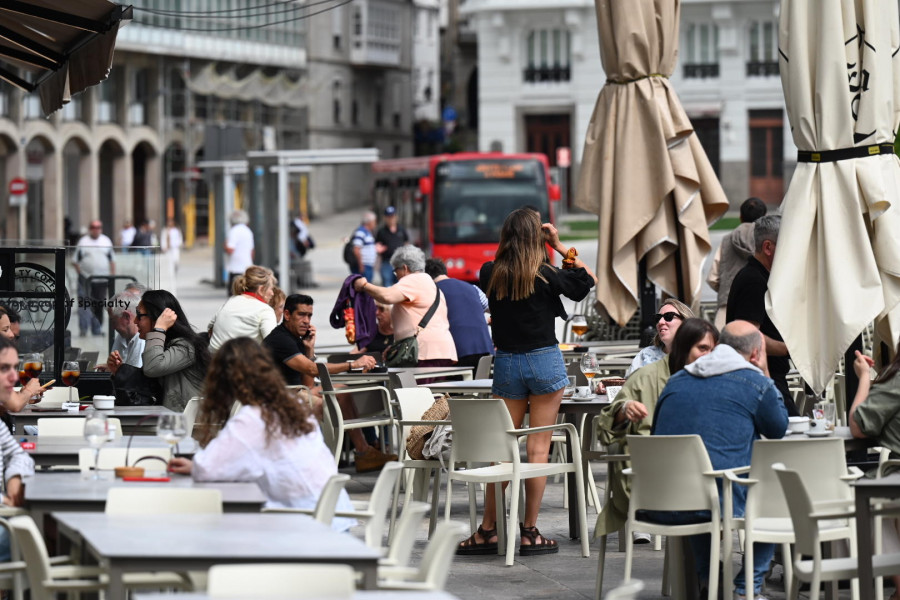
110, 458
438, 557
821, 463
483, 370
626, 591
325, 377
57, 395
190, 414
34, 553
380, 502
806, 530
405, 531
280, 580
479, 431
162, 501
413, 403
71, 426
403, 379
340, 357
235, 408
668, 474
327, 503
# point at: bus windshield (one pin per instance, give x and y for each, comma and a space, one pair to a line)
473, 198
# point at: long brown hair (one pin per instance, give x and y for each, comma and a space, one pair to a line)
243, 370
520, 255
891, 369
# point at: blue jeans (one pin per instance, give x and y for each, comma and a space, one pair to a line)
518, 375
368, 272
762, 553
387, 274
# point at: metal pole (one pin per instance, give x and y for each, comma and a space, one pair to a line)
284, 267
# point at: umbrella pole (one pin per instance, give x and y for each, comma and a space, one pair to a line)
648, 304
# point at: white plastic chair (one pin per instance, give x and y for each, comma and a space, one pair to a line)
336, 419
163, 501
55, 396
626, 591
434, 569
47, 579
327, 503
806, 515
767, 518
404, 535
190, 414
276, 581
414, 401
376, 511
483, 433
669, 473
483, 369
71, 426
110, 458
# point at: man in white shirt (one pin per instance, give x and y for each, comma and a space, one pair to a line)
127, 346
239, 246
93, 258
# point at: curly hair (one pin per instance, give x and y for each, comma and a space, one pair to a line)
244, 371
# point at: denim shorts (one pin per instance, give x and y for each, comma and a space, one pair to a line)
518, 375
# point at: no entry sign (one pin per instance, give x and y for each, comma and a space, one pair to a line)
18, 186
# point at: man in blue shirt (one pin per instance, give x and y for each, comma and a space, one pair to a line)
728, 399
364, 245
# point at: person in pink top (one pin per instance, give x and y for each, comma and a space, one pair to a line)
412, 296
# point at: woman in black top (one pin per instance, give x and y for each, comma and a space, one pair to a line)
523, 292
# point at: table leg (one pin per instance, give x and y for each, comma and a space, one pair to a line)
116, 584
369, 576
864, 544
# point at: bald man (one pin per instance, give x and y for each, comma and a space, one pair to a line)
728, 399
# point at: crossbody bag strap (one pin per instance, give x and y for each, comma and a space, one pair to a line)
424, 322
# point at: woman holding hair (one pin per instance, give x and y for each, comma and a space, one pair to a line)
667, 321
273, 440
523, 291
631, 413
247, 313
875, 413
174, 354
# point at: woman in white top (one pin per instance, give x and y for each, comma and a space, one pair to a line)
667, 321
273, 440
247, 313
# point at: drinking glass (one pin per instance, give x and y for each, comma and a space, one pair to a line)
570, 387
24, 378
590, 366
96, 433
829, 410
579, 326
34, 364
71, 371
171, 429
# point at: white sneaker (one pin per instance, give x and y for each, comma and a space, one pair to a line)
742, 597
640, 538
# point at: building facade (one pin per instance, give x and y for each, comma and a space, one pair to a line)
539, 74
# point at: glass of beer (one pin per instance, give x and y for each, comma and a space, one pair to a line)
24, 377
34, 364
590, 366
579, 325
71, 371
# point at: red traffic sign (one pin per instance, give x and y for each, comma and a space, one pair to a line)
563, 157
18, 186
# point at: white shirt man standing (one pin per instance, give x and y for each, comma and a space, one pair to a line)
239, 246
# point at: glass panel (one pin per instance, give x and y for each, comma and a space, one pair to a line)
754, 42
690, 42
556, 48
704, 43
529, 45
769, 42
543, 34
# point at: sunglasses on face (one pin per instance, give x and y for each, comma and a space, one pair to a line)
667, 317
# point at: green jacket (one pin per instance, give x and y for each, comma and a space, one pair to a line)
174, 367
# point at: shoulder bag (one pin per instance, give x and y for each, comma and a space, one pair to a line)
405, 352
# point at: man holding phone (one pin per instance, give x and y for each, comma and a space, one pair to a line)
293, 346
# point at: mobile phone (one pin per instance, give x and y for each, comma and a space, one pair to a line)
306, 335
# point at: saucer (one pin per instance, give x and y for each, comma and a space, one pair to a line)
582, 398
814, 434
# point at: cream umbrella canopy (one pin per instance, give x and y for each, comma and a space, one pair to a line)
837, 262
643, 171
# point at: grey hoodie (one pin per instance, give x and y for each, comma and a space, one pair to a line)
723, 359
737, 247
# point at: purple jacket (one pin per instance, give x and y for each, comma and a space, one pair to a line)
363, 312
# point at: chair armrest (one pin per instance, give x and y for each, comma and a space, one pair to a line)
887, 463
76, 571
838, 504
614, 458
11, 511
566, 426
839, 514
721, 472
302, 511
732, 476
854, 473
355, 514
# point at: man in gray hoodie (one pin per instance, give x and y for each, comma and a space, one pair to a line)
734, 251
728, 399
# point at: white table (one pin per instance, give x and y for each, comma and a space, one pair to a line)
125, 544
865, 490
53, 450
71, 492
357, 595
128, 415
360, 378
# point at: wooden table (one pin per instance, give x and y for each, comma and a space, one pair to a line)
60, 491
360, 378
125, 544
357, 595
128, 415
570, 408
52, 450
865, 490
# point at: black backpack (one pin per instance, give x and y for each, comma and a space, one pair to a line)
350, 256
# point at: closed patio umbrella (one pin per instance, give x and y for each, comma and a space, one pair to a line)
837, 260
643, 171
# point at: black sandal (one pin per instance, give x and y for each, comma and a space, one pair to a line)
546, 546
471, 547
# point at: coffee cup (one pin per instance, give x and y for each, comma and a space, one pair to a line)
582, 391
818, 426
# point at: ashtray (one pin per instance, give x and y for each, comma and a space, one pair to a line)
129, 472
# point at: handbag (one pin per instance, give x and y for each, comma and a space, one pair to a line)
419, 434
405, 352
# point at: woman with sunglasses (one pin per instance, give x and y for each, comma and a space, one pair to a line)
523, 292
667, 321
631, 413
174, 354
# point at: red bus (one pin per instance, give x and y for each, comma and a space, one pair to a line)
453, 205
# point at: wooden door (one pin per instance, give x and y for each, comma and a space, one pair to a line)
767, 155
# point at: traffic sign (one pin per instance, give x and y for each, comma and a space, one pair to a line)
563, 157
18, 186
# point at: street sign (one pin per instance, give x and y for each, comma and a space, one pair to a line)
18, 186
563, 157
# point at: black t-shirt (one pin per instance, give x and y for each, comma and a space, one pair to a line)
284, 345
392, 240
747, 301
523, 325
